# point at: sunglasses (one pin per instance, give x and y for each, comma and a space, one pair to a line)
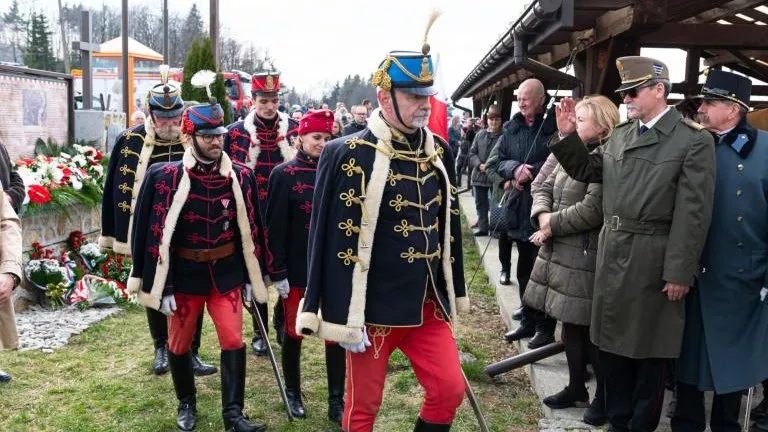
634, 91
210, 138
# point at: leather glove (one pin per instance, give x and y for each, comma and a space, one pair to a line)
168, 305
248, 293
283, 287
359, 347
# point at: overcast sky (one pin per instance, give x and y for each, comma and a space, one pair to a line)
318, 42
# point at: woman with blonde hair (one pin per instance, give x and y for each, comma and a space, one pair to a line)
569, 215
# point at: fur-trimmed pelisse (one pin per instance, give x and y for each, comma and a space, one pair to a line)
350, 332
254, 150
109, 242
153, 297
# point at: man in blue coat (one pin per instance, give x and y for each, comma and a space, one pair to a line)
725, 343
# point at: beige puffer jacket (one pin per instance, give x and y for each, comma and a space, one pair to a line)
563, 275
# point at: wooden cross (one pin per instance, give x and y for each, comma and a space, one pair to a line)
86, 49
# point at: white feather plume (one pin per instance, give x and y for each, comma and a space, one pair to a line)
204, 79
164, 73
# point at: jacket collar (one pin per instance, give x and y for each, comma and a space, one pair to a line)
741, 139
663, 127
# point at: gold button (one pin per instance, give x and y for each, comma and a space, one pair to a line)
739, 193
739, 219
740, 167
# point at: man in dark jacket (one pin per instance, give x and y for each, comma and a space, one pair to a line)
511, 166
360, 116
478, 154
13, 186
385, 258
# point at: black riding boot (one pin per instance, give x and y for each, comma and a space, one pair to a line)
233, 392
258, 344
158, 329
335, 367
278, 320
198, 365
291, 358
184, 384
422, 426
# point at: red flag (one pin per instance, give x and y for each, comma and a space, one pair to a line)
438, 118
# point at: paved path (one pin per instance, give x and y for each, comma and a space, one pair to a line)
550, 375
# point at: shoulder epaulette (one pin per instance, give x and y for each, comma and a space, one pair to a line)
692, 124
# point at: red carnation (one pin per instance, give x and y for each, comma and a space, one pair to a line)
39, 194
187, 126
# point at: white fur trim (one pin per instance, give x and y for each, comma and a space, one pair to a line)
106, 242
286, 150
251, 262
121, 248
141, 169
149, 300
462, 303
429, 148
182, 191
339, 333
255, 147
306, 320
374, 191
134, 284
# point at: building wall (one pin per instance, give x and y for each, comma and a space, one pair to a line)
31, 108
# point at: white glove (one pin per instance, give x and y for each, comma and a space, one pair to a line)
168, 305
358, 347
248, 293
763, 294
283, 287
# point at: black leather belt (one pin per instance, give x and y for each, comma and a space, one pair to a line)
617, 223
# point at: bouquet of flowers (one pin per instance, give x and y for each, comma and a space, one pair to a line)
94, 290
64, 180
45, 272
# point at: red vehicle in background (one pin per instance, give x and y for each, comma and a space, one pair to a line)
238, 84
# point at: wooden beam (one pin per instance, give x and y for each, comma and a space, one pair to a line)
730, 8
722, 57
692, 65
603, 4
758, 70
736, 36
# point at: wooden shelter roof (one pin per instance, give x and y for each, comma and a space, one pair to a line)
731, 33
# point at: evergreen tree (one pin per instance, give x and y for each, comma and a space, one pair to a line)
16, 23
200, 57
39, 53
194, 28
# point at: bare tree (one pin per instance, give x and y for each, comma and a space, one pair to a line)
64, 40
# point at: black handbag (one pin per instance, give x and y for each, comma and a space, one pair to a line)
498, 218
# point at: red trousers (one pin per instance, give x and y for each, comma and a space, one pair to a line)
291, 310
226, 311
434, 357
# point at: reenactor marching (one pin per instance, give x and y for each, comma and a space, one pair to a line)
289, 206
385, 260
262, 141
198, 241
158, 140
